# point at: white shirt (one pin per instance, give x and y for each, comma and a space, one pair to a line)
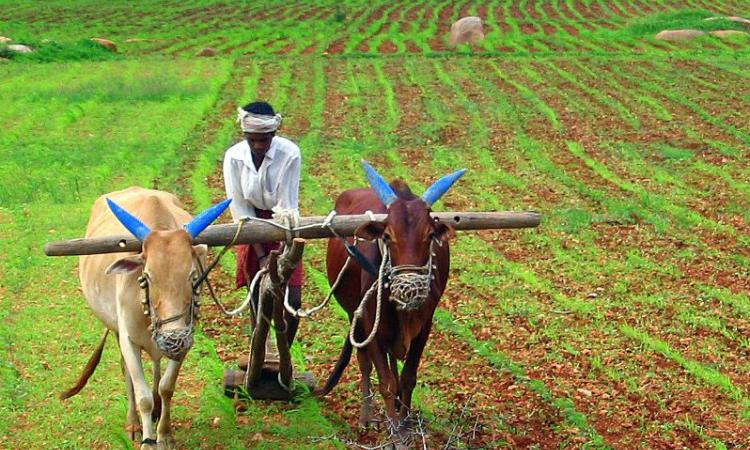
275, 184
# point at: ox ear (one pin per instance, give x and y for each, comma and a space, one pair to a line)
443, 231
201, 252
127, 264
370, 231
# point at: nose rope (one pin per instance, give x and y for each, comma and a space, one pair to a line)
408, 290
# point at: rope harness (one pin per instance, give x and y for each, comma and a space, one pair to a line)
409, 288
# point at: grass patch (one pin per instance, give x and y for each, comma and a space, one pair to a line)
679, 20
54, 51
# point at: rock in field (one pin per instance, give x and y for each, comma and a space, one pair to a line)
19, 48
208, 51
679, 35
5, 40
732, 18
467, 29
109, 45
728, 33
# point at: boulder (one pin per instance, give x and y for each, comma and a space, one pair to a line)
19, 48
467, 29
5, 40
208, 52
728, 33
732, 18
109, 45
679, 35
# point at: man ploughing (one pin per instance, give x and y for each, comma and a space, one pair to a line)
261, 176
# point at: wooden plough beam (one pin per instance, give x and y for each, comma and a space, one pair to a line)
257, 231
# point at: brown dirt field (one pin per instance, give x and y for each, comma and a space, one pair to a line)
438, 43
502, 20
565, 9
387, 47
412, 47
666, 415
562, 21
532, 12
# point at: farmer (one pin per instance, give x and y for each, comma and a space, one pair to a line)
261, 176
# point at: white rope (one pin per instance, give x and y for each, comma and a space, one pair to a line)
248, 300
359, 312
308, 313
281, 383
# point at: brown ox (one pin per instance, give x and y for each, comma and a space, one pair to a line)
415, 277
149, 300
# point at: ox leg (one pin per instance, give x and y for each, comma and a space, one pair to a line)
133, 423
367, 413
156, 412
409, 372
166, 390
143, 396
387, 383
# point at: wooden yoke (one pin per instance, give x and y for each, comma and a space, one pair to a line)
271, 307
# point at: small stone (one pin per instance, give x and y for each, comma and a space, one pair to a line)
728, 33
5, 40
109, 45
731, 18
679, 35
467, 29
207, 52
585, 392
19, 48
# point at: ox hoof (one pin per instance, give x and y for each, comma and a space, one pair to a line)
149, 447
167, 443
367, 419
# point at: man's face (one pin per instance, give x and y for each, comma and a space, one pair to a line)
259, 142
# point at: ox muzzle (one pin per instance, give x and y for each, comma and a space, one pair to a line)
410, 285
175, 342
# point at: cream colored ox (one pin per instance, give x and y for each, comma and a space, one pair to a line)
149, 300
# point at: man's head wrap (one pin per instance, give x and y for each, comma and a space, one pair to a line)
257, 123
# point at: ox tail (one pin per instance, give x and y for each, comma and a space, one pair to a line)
338, 370
88, 370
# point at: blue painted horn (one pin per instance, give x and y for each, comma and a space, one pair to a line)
441, 186
378, 183
204, 219
129, 221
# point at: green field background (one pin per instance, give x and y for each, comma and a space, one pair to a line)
622, 322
